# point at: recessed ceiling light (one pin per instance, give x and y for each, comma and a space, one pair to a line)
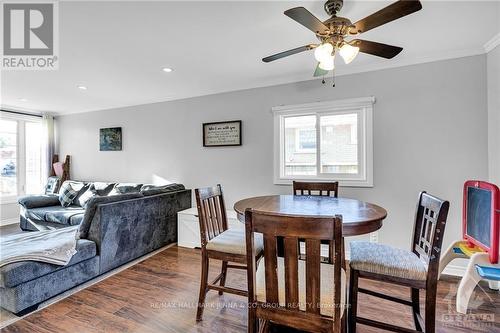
22, 99
82, 87
167, 69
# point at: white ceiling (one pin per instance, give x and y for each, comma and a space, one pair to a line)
117, 49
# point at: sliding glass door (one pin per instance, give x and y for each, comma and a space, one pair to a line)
21, 145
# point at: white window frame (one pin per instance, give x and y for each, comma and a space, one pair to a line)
363, 106
20, 153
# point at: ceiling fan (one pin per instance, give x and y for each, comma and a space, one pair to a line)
333, 33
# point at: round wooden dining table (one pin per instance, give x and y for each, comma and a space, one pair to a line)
358, 217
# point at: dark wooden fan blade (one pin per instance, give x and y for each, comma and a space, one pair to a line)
319, 71
387, 14
377, 49
308, 20
289, 52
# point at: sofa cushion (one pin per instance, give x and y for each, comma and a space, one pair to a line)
124, 188
149, 189
16, 273
71, 215
34, 201
69, 191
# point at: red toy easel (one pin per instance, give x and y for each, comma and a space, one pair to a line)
483, 258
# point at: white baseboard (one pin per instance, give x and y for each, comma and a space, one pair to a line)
9, 221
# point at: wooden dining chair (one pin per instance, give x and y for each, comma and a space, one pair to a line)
303, 294
219, 242
416, 269
316, 188
330, 189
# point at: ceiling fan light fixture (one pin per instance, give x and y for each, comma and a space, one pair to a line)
348, 52
323, 52
327, 64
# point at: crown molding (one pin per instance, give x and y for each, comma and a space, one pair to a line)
410, 61
492, 43
12, 108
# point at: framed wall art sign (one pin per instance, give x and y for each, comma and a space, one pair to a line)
110, 139
222, 134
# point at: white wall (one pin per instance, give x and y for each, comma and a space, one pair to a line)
9, 213
430, 124
493, 74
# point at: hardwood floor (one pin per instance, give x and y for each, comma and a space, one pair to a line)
160, 295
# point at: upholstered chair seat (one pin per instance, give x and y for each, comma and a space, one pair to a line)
387, 260
233, 241
326, 285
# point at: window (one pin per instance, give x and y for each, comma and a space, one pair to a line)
21, 156
324, 141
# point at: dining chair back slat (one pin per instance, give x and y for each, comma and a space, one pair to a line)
313, 288
211, 213
316, 188
291, 245
430, 219
292, 229
271, 263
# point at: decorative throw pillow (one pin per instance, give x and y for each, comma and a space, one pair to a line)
68, 192
102, 188
83, 187
52, 184
124, 188
86, 196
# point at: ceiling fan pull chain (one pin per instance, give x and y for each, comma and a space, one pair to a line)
333, 77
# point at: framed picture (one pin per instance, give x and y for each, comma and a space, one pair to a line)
222, 134
110, 139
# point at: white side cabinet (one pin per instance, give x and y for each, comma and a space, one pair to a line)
188, 226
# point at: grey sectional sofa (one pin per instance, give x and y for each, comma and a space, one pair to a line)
113, 231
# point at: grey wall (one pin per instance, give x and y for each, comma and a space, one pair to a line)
493, 74
430, 134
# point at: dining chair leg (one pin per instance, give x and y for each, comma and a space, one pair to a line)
353, 300
430, 310
203, 286
344, 322
224, 275
263, 326
415, 300
331, 253
252, 319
